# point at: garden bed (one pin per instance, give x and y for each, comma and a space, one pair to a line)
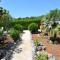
51, 48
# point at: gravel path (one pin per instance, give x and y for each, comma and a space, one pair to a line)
26, 53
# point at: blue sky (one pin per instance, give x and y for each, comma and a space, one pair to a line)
24, 8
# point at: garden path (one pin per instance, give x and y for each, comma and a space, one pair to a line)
26, 53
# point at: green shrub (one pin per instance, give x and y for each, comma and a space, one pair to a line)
18, 27
42, 57
57, 28
25, 22
1, 34
33, 27
14, 34
53, 35
36, 42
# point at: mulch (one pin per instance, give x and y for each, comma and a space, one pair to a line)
51, 48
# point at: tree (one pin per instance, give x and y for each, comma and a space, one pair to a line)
33, 27
53, 15
4, 18
1, 11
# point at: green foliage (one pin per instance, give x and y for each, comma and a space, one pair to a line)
7, 22
42, 57
54, 15
53, 35
18, 27
57, 28
1, 34
4, 18
54, 25
25, 22
14, 34
33, 27
36, 42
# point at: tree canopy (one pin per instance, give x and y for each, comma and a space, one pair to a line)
5, 18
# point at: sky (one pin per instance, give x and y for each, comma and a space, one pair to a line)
28, 8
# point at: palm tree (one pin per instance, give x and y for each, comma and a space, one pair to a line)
53, 16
